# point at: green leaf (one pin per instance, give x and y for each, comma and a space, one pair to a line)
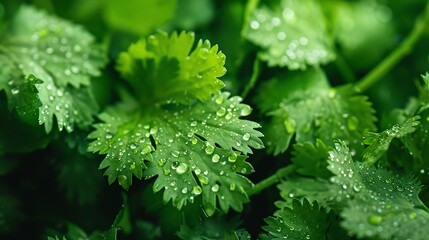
55, 59
311, 159
212, 229
330, 113
304, 220
374, 24
313, 189
161, 60
381, 204
379, 142
191, 14
138, 17
292, 34
76, 233
194, 151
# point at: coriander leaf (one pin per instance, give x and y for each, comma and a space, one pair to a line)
313, 189
161, 60
194, 151
379, 142
363, 30
211, 229
22, 93
383, 205
311, 112
304, 220
191, 14
57, 59
138, 17
293, 34
311, 159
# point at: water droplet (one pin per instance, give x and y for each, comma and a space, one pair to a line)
194, 141
49, 50
197, 190
375, 219
174, 165
221, 112
184, 190
14, 91
193, 123
203, 53
215, 158
219, 100
352, 123
412, 215
307, 236
133, 166
232, 187
203, 179
133, 146
278, 229
254, 24
175, 153
182, 168
232, 158
173, 183
215, 188
209, 149
246, 137
228, 116
153, 130
281, 36
288, 14
109, 135
67, 72
289, 125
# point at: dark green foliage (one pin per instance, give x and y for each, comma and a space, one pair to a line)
148, 119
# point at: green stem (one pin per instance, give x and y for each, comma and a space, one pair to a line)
390, 61
250, 7
276, 177
255, 75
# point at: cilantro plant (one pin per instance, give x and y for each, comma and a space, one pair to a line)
185, 119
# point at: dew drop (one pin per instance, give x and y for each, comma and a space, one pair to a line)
375, 219
14, 91
352, 123
232, 187
232, 158
174, 165
133, 166
219, 100
215, 188
246, 137
209, 149
153, 130
109, 135
228, 116
197, 190
221, 112
182, 168
184, 190
194, 141
133, 146
254, 24
193, 123
215, 158
122, 180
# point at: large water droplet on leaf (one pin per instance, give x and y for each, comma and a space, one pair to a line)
182, 168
